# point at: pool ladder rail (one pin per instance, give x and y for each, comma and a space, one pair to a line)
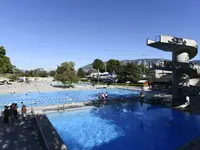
62, 107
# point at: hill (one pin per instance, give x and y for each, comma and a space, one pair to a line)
144, 62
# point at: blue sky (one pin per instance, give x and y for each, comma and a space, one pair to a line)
45, 33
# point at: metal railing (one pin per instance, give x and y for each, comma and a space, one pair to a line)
46, 146
62, 107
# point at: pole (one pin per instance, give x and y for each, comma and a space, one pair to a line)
105, 67
143, 64
98, 76
105, 63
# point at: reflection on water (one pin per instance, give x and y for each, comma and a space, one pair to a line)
158, 128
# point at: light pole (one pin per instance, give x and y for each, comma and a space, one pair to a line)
105, 67
105, 63
98, 76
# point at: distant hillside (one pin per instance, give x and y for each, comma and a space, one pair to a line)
145, 62
87, 67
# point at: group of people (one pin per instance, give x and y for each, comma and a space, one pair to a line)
103, 96
10, 112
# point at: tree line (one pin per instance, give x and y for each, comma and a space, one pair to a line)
67, 73
125, 72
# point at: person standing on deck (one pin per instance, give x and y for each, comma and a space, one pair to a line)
15, 110
187, 100
141, 96
106, 96
103, 96
6, 114
23, 111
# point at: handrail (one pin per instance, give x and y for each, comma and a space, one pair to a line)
40, 130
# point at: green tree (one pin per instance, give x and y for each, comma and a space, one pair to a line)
81, 73
5, 64
129, 72
43, 73
2, 51
143, 69
66, 72
17, 72
98, 64
28, 73
132, 71
52, 73
113, 65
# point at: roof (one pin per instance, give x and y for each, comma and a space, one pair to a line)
142, 81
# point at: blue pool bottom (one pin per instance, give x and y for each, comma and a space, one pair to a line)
125, 126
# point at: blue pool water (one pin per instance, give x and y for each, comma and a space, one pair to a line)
125, 127
49, 98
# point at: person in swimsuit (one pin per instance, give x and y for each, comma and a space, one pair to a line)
103, 96
106, 96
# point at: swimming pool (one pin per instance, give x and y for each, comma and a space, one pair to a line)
49, 98
125, 127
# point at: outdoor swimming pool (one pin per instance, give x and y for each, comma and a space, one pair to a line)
125, 127
49, 98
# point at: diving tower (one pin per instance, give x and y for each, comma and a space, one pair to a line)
182, 51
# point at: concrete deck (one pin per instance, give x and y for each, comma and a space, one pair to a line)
51, 139
21, 135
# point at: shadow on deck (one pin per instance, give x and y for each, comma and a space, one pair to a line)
19, 135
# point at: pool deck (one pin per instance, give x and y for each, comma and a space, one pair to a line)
39, 86
20, 135
72, 106
50, 137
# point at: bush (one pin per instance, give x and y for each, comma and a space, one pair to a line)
12, 77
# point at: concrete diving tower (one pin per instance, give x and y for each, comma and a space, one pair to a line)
182, 51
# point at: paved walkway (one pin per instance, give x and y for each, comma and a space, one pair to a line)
20, 135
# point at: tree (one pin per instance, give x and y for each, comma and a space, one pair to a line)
17, 72
143, 69
52, 73
2, 51
98, 64
113, 65
5, 64
66, 72
129, 72
132, 71
81, 73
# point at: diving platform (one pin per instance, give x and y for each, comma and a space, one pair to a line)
182, 51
